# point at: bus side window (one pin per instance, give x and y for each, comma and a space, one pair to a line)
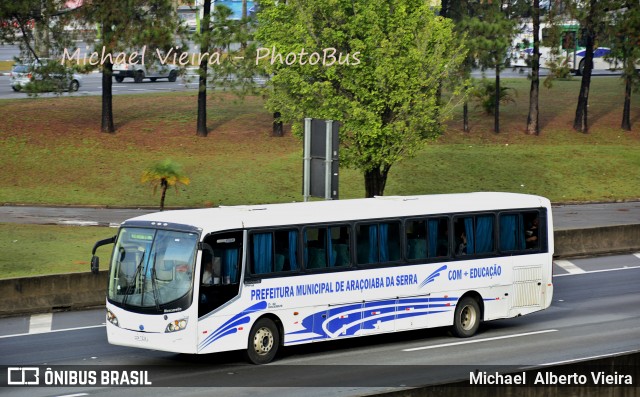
339, 246
378, 243
511, 232
437, 237
474, 234
286, 250
532, 231
416, 234
262, 253
520, 231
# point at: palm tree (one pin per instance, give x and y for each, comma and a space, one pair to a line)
164, 174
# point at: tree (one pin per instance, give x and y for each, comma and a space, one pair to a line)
490, 34
625, 49
591, 15
201, 124
374, 66
590, 33
533, 127
458, 11
126, 24
38, 28
164, 174
225, 66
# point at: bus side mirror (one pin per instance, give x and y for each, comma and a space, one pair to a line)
95, 261
95, 264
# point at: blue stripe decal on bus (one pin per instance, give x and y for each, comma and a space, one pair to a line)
230, 326
433, 276
348, 320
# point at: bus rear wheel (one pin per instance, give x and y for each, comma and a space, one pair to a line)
264, 340
466, 318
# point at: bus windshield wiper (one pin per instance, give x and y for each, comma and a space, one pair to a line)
135, 277
153, 283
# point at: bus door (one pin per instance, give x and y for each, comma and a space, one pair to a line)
220, 270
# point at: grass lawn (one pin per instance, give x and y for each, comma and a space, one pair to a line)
29, 250
54, 153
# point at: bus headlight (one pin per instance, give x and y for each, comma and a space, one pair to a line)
112, 318
177, 325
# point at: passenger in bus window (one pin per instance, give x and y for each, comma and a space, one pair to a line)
462, 248
532, 234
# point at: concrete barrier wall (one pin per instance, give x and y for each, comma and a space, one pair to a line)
50, 293
597, 240
80, 290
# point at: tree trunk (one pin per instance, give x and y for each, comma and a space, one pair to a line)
375, 181
626, 112
465, 116
201, 129
278, 130
163, 193
533, 127
107, 98
496, 110
580, 123
243, 15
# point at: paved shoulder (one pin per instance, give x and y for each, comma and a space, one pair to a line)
80, 216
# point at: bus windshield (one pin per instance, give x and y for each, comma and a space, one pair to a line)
152, 270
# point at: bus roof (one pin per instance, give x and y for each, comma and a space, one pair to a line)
253, 216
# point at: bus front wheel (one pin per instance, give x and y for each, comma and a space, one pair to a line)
264, 340
467, 318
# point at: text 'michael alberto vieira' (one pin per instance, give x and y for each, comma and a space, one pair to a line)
549, 378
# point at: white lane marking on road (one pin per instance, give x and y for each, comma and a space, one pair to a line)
637, 255
54, 330
479, 340
74, 395
599, 271
568, 266
79, 223
39, 323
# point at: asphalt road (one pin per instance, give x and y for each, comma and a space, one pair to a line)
594, 313
571, 216
91, 84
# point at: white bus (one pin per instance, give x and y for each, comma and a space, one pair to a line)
255, 278
571, 47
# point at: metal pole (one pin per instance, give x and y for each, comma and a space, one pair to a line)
328, 158
306, 167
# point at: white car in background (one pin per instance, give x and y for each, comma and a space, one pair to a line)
139, 72
31, 77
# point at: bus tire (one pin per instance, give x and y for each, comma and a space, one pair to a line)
580, 70
466, 319
264, 340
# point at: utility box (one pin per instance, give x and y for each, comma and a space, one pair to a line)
321, 159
